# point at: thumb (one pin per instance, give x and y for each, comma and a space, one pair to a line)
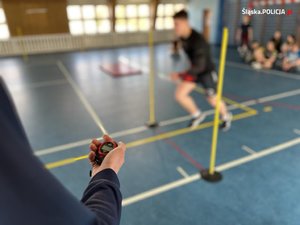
122, 146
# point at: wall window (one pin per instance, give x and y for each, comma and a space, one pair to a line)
4, 32
165, 12
132, 18
88, 19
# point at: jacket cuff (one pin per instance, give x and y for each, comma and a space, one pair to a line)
107, 174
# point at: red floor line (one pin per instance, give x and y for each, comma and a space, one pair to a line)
185, 154
283, 105
270, 103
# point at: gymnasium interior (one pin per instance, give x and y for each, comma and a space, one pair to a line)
77, 69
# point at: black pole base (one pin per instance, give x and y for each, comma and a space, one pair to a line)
213, 178
152, 124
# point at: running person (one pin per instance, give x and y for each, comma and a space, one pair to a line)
202, 71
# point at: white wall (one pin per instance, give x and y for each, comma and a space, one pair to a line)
196, 8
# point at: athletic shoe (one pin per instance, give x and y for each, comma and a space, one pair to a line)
226, 124
194, 122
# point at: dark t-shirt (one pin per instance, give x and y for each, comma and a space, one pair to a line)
245, 29
198, 52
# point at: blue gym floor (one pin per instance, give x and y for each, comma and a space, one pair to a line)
258, 157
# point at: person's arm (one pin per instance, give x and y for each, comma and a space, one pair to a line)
103, 196
286, 64
198, 61
176, 46
268, 64
294, 63
273, 58
198, 65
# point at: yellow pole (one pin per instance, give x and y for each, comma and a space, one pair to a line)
219, 97
151, 80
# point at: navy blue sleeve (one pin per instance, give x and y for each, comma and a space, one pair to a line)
103, 197
32, 193
29, 193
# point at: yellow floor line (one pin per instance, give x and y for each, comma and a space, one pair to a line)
243, 107
151, 139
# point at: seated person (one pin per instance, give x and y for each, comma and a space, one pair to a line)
290, 40
249, 55
277, 39
265, 58
280, 57
291, 63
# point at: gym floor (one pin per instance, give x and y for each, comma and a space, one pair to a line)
63, 98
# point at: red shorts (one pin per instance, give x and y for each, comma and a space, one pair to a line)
208, 81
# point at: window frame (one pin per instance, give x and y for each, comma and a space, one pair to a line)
4, 25
96, 19
162, 17
138, 17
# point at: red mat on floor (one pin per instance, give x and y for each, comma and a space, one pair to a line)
120, 69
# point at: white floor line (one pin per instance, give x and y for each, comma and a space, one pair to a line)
259, 154
279, 96
182, 172
230, 63
270, 72
297, 131
253, 102
249, 150
37, 84
159, 190
167, 187
129, 131
164, 123
83, 100
64, 147
71, 145
174, 121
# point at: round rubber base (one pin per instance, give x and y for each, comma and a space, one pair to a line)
152, 124
216, 177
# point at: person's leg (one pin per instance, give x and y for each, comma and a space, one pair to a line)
209, 82
182, 96
212, 100
226, 116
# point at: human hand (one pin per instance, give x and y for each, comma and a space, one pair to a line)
113, 160
174, 76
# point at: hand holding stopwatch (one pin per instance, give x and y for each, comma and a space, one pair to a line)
103, 149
